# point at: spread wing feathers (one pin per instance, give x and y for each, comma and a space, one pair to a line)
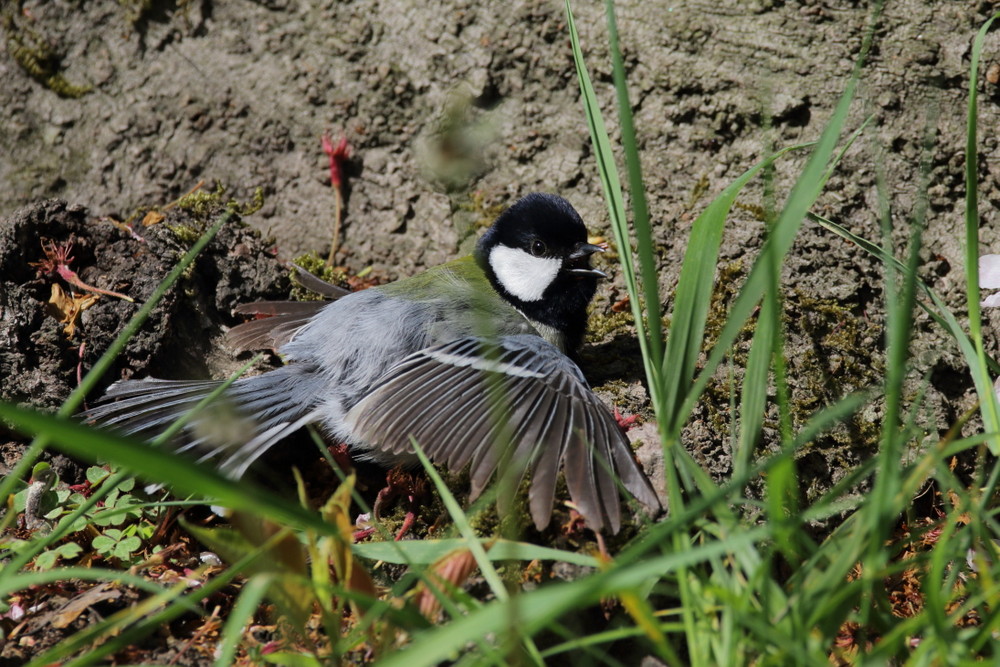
225, 430
278, 324
281, 320
517, 404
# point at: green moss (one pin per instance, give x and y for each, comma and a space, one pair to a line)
32, 52
206, 205
601, 326
727, 285
136, 10
835, 355
842, 359
203, 207
483, 214
757, 211
186, 234
698, 191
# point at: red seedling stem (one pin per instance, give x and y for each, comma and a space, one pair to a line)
338, 154
56, 261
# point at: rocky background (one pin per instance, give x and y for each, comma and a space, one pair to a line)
453, 109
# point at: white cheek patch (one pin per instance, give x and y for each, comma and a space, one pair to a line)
523, 275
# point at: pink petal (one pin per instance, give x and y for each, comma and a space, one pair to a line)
989, 272
992, 301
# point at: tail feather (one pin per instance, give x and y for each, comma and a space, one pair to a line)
250, 416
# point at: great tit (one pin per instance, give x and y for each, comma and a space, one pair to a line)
469, 359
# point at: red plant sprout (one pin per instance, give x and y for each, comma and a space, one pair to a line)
56, 261
338, 154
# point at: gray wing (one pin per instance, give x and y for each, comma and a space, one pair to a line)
251, 416
279, 321
516, 404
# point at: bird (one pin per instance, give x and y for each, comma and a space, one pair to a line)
472, 359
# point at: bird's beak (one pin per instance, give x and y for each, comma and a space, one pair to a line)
578, 262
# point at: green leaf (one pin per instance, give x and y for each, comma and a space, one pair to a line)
126, 485
19, 500
125, 548
46, 560
103, 544
131, 544
96, 474
69, 550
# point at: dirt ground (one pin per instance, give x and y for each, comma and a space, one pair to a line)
453, 109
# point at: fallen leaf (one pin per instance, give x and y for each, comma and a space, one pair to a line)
152, 217
72, 609
67, 307
447, 575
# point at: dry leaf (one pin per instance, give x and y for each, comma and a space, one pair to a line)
68, 613
151, 218
67, 307
447, 574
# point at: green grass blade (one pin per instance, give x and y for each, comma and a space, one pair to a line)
536, 609
804, 193
694, 296
246, 606
462, 523
615, 201
980, 369
637, 194
937, 310
156, 465
23, 580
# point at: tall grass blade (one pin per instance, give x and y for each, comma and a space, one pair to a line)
637, 194
979, 366
156, 465
616, 206
804, 193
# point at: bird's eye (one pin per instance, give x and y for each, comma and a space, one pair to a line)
538, 248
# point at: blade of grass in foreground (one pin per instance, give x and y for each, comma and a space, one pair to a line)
104, 363
616, 207
156, 465
475, 547
637, 194
66, 523
537, 609
804, 193
978, 365
246, 606
423, 552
